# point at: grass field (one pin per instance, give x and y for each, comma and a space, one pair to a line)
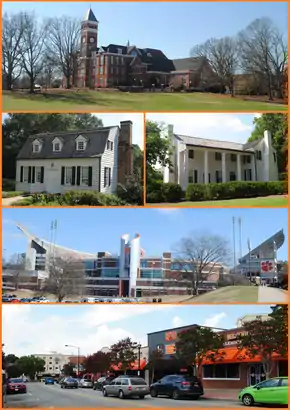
238, 294
58, 100
268, 201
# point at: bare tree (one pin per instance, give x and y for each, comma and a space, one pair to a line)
32, 48
16, 268
263, 50
12, 36
200, 256
222, 55
63, 44
66, 277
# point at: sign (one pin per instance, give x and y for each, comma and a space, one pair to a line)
230, 343
170, 336
233, 336
267, 266
170, 349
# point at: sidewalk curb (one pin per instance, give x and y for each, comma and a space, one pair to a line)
219, 398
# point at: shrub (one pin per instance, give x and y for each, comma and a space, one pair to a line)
8, 184
23, 202
172, 192
132, 191
159, 191
235, 189
11, 194
78, 198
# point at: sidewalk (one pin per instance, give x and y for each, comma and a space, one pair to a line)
221, 394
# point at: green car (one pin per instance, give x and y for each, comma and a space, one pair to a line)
271, 391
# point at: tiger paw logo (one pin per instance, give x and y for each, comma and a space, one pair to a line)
267, 266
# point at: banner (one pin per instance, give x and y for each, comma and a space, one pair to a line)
267, 266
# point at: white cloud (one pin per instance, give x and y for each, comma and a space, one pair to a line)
215, 320
177, 321
30, 330
138, 124
168, 211
223, 127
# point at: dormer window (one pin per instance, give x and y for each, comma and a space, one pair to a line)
57, 144
149, 55
36, 146
80, 145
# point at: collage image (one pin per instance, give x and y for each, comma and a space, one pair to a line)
145, 233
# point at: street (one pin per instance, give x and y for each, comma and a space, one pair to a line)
52, 396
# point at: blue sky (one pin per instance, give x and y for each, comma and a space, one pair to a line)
115, 119
24, 328
173, 27
94, 230
223, 127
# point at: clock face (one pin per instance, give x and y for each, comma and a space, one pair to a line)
92, 40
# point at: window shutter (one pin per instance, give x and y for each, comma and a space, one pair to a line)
109, 172
90, 183
62, 175
21, 174
78, 175
73, 182
29, 175
33, 175
42, 175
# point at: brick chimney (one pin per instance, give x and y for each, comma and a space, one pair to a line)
125, 151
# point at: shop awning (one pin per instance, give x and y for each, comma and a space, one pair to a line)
235, 355
134, 366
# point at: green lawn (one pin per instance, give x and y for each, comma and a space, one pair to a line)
228, 294
268, 201
58, 100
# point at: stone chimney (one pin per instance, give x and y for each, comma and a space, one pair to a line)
125, 152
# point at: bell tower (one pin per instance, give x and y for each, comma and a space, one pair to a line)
89, 44
89, 34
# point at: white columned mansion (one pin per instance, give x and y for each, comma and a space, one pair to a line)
202, 161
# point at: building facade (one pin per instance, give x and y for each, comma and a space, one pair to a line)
114, 65
86, 160
55, 362
231, 370
130, 273
202, 161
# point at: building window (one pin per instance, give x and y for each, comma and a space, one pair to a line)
56, 146
35, 148
25, 174
68, 175
101, 61
259, 155
112, 70
112, 145
190, 153
218, 176
218, 156
80, 145
232, 176
85, 176
112, 60
221, 371
190, 179
107, 177
117, 60
120, 51
247, 174
101, 71
108, 144
274, 156
233, 157
143, 263
38, 174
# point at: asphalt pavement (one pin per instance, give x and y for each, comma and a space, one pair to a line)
52, 396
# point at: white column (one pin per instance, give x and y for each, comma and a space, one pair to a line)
239, 169
185, 169
205, 167
224, 171
253, 166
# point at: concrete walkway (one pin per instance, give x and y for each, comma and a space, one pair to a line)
272, 295
10, 201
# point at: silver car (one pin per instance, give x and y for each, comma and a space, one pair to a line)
86, 383
130, 386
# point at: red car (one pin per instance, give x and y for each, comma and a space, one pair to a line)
16, 386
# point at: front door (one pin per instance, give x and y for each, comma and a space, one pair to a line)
256, 374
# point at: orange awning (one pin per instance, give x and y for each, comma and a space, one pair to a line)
235, 355
134, 366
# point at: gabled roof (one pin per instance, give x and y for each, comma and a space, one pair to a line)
191, 63
96, 145
204, 142
89, 16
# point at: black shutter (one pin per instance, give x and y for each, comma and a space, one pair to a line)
21, 174
29, 175
90, 183
78, 175
42, 175
73, 179
109, 176
62, 175
33, 175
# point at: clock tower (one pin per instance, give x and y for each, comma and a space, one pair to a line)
89, 42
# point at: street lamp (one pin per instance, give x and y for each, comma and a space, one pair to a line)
139, 358
78, 358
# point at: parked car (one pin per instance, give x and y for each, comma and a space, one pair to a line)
69, 382
123, 387
86, 383
16, 386
177, 386
49, 380
102, 381
271, 391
